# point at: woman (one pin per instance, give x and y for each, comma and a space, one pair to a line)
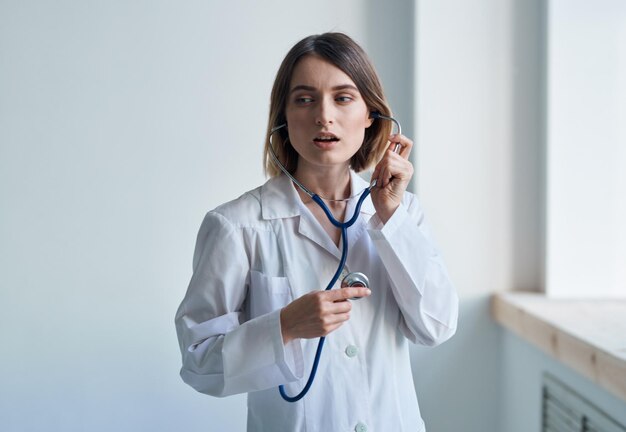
256, 302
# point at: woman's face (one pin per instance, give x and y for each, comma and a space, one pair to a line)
326, 115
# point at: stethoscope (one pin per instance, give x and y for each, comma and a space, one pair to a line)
352, 279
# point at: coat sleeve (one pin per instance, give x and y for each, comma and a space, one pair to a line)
419, 280
223, 353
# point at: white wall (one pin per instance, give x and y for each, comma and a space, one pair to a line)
121, 123
464, 150
479, 134
586, 143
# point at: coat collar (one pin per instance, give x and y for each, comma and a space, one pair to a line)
279, 198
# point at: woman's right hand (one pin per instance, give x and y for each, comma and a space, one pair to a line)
318, 313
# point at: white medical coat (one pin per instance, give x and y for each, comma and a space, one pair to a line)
256, 254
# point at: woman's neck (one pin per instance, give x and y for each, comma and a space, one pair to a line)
331, 183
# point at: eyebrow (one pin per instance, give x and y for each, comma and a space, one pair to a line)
338, 87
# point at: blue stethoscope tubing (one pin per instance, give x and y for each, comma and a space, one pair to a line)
344, 240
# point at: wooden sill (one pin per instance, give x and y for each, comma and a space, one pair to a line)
586, 335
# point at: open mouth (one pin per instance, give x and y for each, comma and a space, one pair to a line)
325, 138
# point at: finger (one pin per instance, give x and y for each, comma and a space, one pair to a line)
357, 292
402, 139
398, 167
392, 165
332, 328
334, 319
379, 171
401, 147
394, 145
389, 150
380, 166
338, 307
406, 145
338, 295
385, 175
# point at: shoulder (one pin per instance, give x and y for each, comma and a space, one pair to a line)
242, 210
245, 211
229, 220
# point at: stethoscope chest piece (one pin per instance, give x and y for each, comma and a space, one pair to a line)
355, 279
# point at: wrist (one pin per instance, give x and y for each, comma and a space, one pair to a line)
385, 214
283, 328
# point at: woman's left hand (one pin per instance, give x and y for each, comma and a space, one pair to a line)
393, 173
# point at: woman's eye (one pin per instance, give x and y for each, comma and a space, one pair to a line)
304, 100
344, 99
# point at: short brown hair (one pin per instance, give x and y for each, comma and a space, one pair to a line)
343, 52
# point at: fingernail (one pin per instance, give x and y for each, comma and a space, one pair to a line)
368, 291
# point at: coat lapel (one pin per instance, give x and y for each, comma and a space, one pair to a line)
280, 200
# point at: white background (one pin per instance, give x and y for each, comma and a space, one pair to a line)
586, 183
122, 123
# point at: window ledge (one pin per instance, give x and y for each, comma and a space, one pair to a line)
586, 335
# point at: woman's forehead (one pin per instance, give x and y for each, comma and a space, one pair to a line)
318, 73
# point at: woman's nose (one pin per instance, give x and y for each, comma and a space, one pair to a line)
325, 113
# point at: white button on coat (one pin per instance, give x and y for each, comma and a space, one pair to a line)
360, 427
256, 254
351, 350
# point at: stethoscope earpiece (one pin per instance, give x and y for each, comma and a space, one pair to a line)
376, 115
